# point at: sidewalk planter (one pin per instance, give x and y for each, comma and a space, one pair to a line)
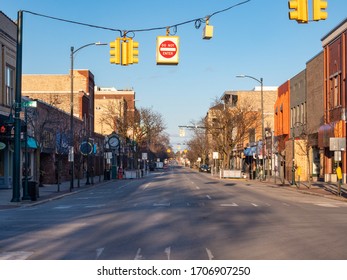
231, 174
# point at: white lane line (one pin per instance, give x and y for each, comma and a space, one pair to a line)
168, 252
228, 205
146, 186
209, 254
63, 207
99, 252
138, 254
95, 206
16, 255
286, 204
327, 205
161, 204
208, 196
255, 205
198, 188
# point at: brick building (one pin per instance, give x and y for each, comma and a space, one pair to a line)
253, 138
8, 42
123, 107
56, 91
335, 98
281, 127
315, 115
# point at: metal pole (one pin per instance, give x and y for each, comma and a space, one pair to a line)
71, 121
262, 125
25, 187
17, 108
293, 161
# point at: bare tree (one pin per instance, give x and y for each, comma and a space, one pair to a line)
230, 126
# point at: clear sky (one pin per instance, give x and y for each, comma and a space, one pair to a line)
255, 39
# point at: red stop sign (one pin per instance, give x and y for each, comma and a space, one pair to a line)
168, 49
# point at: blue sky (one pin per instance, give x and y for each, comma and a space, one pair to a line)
256, 39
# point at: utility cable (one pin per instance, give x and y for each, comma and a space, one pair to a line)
197, 21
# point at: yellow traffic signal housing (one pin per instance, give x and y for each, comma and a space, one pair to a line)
115, 52
299, 10
124, 53
319, 12
133, 52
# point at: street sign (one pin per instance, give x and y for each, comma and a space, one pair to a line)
337, 144
30, 103
167, 50
215, 155
2, 145
86, 148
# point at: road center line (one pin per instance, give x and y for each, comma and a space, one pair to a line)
208, 196
209, 254
138, 254
229, 205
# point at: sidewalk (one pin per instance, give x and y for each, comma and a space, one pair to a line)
47, 192
324, 189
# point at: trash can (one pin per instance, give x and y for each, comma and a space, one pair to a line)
107, 175
33, 190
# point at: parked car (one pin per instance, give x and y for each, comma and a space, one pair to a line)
205, 168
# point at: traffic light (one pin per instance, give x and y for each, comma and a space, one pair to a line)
299, 10
5, 130
115, 52
133, 52
124, 53
319, 7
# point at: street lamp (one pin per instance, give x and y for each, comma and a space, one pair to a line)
262, 115
71, 155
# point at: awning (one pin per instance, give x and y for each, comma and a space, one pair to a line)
333, 129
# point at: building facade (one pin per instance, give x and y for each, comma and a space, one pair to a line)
315, 113
8, 42
281, 128
56, 91
335, 100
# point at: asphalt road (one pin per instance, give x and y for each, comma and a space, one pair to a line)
177, 214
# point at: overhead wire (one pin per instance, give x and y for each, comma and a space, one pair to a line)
197, 21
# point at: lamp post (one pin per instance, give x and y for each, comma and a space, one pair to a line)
71, 151
262, 115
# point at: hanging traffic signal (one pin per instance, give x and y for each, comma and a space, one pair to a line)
133, 52
115, 51
319, 12
124, 53
299, 10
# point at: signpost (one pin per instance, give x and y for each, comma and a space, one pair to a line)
167, 50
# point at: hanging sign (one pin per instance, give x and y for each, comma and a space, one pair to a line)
167, 50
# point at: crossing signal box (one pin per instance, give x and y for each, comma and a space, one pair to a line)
298, 10
319, 7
